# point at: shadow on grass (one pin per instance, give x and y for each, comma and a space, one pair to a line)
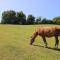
57, 49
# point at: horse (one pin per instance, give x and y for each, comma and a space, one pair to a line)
46, 32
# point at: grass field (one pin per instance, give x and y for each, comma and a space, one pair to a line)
14, 44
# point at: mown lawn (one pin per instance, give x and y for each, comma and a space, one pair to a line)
14, 44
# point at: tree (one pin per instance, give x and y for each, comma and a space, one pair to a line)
21, 18
44, 21
8, 17
56, 20
38, 20
49, 22
30, 19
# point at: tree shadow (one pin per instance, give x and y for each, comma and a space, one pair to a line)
57, 49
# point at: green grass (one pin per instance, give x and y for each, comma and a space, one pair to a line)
14, 44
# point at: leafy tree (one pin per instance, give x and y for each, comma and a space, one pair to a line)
38, 20
56, 20
30, 19
8, 17
44, 21
21, 18
49, 22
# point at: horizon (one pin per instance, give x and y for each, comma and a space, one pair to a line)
47, 9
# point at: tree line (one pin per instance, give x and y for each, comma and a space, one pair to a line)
13, 17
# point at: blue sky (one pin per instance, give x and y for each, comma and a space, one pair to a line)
45, 8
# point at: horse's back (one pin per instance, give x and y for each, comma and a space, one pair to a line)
46, 31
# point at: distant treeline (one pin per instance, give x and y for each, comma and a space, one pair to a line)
13, 17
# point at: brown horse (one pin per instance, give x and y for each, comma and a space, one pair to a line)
46, 32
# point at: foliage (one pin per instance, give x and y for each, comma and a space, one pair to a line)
12, 17
8, 17
30, 19
38, 20
44, 21
21, 18
56, 20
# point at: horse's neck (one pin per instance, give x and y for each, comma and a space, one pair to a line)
35, 35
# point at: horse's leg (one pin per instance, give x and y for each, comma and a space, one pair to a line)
44, 39
56, 41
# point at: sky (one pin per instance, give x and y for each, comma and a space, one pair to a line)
45, 8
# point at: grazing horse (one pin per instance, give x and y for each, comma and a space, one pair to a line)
46, 32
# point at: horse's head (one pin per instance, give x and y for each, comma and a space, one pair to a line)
31, 40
